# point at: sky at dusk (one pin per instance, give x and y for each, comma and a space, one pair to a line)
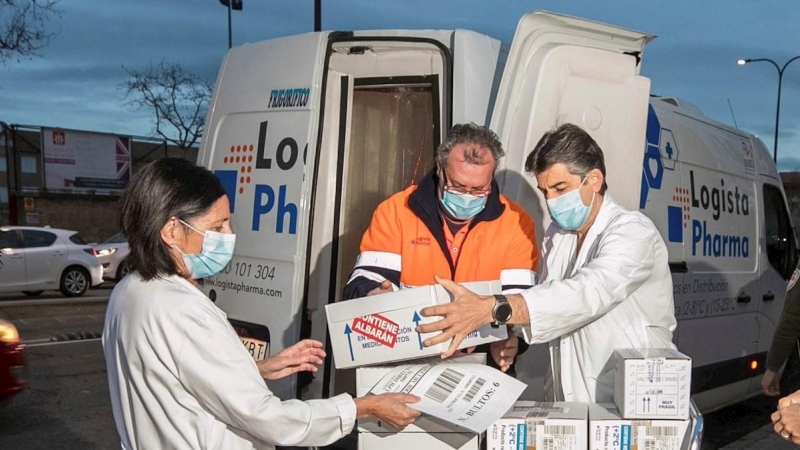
75, 84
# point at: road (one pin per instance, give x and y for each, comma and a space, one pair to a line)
67, 405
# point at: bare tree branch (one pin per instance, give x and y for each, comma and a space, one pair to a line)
178, 98
23, 30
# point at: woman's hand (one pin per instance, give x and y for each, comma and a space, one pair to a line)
300, 357
391, 408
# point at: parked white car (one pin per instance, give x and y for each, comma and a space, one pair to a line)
112, 253
35, 259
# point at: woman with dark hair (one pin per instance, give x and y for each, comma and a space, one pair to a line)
178, 375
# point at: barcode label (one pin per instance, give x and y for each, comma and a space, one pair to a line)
661, 431
649, 444
473, 391
559, 430
444, 385
548, 443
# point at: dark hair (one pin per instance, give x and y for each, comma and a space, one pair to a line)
470, 133
569, 145
165, 188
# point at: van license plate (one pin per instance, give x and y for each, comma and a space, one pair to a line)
258, 349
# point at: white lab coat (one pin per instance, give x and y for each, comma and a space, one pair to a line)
615, 293
180, 378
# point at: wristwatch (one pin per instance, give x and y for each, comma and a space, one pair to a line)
501, 313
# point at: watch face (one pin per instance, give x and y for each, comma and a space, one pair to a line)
503, 312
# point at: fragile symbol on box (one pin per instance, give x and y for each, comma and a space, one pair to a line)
378, 328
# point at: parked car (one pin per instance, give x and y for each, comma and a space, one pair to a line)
13, 362
112, 253
35, 259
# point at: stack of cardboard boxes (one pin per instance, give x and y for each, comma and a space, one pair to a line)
369, 333
652, 394
650, 411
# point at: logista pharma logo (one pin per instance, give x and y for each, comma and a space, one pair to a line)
241, 167
239, 161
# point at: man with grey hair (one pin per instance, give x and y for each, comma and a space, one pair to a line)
455, 224
605, 280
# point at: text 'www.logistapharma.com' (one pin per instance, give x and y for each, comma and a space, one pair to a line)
227, 285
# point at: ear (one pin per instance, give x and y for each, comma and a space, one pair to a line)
596, 179
171, 232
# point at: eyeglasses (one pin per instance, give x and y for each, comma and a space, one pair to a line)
462, 191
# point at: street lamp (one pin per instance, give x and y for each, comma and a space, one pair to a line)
742, 62
235, 5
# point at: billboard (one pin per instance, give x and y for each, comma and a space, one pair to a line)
77, 161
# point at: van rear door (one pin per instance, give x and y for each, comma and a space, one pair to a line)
563, 69
263, 117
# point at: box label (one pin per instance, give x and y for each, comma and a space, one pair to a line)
659, 438
522, 435
657, 393
377, 328
625, 437
557, 437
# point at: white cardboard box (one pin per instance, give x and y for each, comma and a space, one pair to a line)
418, 441
652, 383
609, 431
541, 425
368, 377
380, 329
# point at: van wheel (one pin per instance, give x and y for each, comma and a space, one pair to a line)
74, 282
32, 293
790, 378
122, 270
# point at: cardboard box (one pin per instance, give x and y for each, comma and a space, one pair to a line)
380, 329
418, 441
541, 425
652, 383
368, 377
609, 431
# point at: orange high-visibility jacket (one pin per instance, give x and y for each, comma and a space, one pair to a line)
405, 244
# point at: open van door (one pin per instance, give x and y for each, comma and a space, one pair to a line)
562, 69
262, 119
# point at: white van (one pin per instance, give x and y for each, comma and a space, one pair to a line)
309, 133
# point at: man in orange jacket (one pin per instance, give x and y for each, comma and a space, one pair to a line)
455, 224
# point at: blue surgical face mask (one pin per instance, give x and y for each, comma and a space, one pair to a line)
462, 206
216, 253
568, 210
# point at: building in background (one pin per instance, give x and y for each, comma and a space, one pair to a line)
71, 179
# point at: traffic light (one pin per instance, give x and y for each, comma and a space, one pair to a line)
235, 5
